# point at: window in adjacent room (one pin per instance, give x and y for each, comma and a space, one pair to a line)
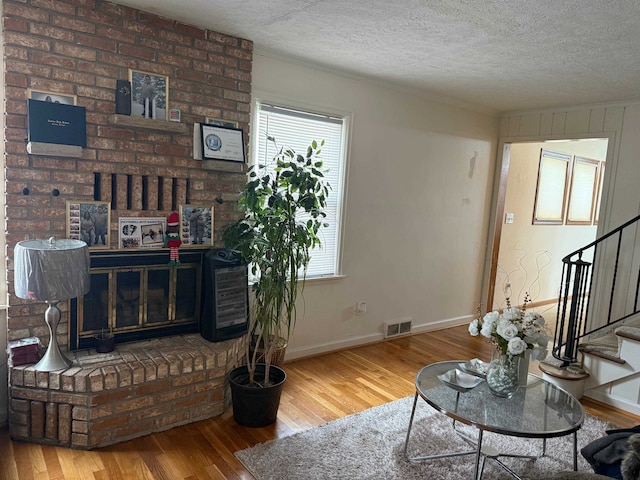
551, 188
296, 129
584, 188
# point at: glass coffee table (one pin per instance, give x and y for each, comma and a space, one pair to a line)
537, 410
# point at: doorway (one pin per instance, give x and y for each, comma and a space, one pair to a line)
527, 254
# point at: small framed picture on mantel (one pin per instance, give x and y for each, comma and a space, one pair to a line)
222, 143
149, 95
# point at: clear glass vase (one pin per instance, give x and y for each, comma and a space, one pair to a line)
502, 375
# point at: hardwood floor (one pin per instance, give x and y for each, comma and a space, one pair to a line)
318, 390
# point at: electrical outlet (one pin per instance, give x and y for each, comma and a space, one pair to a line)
361, 308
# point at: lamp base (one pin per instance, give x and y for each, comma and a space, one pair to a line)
53, 358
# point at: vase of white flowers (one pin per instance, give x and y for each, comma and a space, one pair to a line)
502, 375
513, 332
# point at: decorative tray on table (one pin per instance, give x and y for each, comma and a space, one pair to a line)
475, 367
459, 380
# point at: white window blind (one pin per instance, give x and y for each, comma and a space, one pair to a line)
297, 129
584, 187
551, 190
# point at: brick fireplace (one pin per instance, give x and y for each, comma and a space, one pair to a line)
142, 168
140, 388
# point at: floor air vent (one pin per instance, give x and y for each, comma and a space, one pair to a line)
397, 328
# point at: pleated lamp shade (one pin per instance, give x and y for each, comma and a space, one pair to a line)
50, 270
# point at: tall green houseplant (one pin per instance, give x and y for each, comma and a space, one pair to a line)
283, 215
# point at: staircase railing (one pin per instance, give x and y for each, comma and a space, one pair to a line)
604, 270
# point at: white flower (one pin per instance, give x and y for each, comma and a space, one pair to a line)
537, 338
538, 353
543, 339
516, 346
507, 330
513, 331
486, 330
511, 314
473, 328
491, 318
534, 319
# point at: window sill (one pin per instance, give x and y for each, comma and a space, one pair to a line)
322, 279
325, 278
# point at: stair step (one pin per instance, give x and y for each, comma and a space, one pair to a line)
606, 353
632, 333
563, 373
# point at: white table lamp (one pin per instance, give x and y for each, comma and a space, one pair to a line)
50, 271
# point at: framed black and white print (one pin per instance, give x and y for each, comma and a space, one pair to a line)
222, 143
89, 222
149, 95
52, 97
196, 225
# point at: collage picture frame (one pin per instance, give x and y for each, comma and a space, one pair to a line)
196, 226
89, 221
141, 232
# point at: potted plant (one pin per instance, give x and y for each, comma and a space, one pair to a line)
283, 213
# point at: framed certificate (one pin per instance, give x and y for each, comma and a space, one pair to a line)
222, 143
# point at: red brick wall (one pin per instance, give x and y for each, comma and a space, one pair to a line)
137, 390
81, 48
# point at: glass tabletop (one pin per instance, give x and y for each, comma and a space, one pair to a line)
539, 410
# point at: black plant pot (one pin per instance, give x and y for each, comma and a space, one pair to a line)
105, 343
256, 406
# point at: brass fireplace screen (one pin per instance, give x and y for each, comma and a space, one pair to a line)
136, 296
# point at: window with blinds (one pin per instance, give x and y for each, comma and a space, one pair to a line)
551, 189
296, 129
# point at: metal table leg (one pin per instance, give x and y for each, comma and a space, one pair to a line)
427, 457
575, 451
477, 472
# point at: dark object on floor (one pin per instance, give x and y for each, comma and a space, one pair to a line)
605, 454
630, 467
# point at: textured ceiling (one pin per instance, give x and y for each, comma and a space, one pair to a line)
499, 55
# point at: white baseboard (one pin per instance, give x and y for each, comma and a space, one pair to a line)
316, 349
342, 344
442, 324
620, 403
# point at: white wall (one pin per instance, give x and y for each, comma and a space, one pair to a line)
620, 196
530, 255
417, 208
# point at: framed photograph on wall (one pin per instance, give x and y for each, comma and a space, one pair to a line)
89, 222
149, 95
52, 97
141, 232
222, 143
196, 225
216, 122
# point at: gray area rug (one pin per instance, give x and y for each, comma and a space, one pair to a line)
370, 445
